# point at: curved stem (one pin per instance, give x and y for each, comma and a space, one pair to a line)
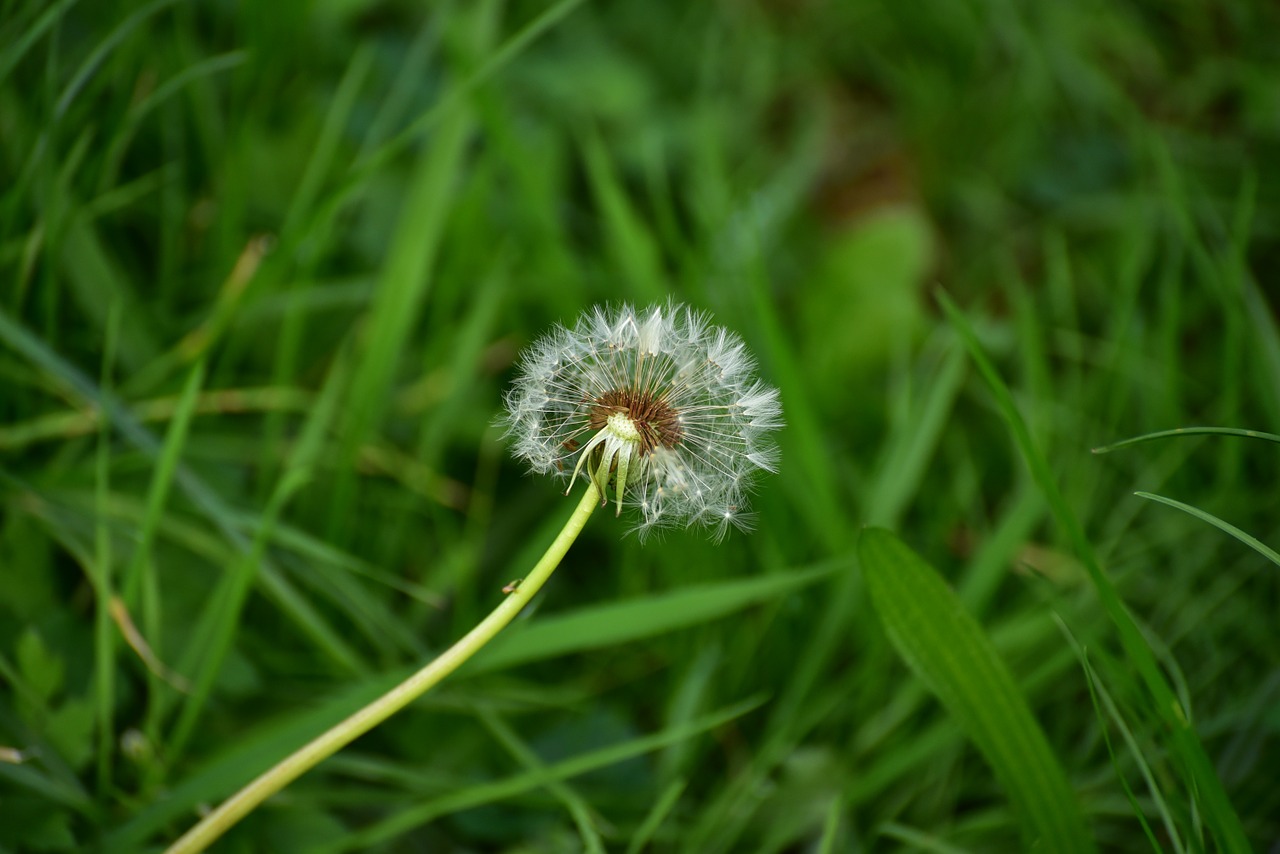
334, 739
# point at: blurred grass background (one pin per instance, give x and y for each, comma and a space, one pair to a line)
266, 269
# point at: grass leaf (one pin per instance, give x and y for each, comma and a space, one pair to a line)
948, 650
1187, 431
508, 787
1201, 778
614, 623
1248, 539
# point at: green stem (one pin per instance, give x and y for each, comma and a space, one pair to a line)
340, 735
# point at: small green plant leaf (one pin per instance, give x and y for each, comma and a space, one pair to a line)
31, 825
70, 730
40, 667
948, 650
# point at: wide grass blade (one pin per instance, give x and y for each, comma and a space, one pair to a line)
1201, 778
621, 622
948, 650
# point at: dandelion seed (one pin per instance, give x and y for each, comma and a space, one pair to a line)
658, 404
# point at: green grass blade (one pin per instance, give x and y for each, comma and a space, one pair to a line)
328, 559
161, 480
1248, 539
989, 566
1187, 431
208, 501
96, 282
25, 776
948, 650
916, 442
217, 631
485, 793
499, 59
42, 768
819, 500
140, 584
630, 242
243, 759
1099, 696
12, 54
621, 622
250, 755
1202, 779
326, 148
99, 55
661, 809
402, 289
137, 112
1266, 345
573, 802
830, 829
104, 640
917, 840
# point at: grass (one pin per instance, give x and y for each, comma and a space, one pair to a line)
268, 268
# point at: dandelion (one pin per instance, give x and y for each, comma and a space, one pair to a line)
657, 402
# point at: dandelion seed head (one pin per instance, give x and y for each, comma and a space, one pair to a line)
656, 405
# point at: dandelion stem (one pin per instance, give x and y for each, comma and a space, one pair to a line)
325, 745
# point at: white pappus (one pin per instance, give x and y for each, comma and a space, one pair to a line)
658, 402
